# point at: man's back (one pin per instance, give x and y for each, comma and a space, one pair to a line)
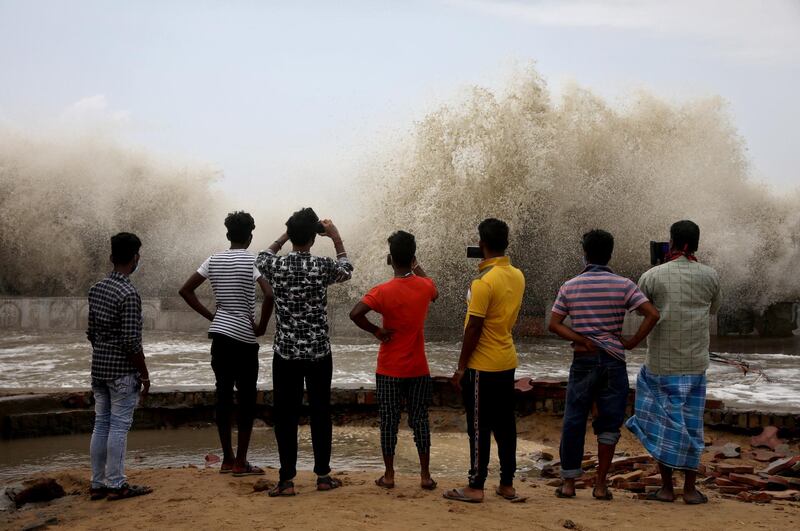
403, 303
685, 293
496, 296
232, 274
115, 326
300, 283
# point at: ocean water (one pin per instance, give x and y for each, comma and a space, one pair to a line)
62, 360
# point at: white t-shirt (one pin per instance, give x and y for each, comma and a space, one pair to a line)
233, 276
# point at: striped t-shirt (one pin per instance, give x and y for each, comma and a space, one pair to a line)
596, 301
233, 274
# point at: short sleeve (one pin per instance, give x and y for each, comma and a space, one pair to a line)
256, 274
634, 297
203, 269
480, 296
373, 299
561, 304
265, 262
646, 284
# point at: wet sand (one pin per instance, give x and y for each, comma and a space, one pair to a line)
196, 497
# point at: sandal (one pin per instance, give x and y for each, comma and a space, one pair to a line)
382, 483
653, 496
281, 489
98, 494
429, 486
127, 491
607, 496
226, 468
328, 483
703, 499
560, 494
249, 470
458, 495
513, 498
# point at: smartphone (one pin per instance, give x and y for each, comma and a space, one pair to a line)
474, 251
320, 228
658, 252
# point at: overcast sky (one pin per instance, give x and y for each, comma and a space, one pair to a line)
266, 91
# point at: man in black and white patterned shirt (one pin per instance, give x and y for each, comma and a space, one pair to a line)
302, 350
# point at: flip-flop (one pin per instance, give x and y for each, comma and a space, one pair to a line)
605, 497
281, 488
98, 494
458, 495
429, 486
515, 498
703, 499
381, 482
249, 470
653, 496
127, 491
328, 483
560, 494
225, 469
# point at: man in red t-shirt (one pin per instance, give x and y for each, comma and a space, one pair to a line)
403, 373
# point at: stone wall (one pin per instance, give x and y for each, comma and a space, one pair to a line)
35, 414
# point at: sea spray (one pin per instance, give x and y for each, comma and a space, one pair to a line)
556, 170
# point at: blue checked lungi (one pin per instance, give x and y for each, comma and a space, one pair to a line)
668, 417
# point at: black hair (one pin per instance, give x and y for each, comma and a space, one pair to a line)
494, 234
302, 226
685, 235
598, 246
240, 226
402, 247
124, 247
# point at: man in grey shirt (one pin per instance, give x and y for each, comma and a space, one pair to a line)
671, 386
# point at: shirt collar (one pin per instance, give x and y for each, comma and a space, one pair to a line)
496, 261
116, 275
596, 268
301, 253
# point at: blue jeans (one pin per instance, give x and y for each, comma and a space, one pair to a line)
593, 379
114, 402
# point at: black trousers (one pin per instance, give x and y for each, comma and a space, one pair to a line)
235, 363
288, 377
490, 406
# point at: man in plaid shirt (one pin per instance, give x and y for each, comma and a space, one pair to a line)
118, 369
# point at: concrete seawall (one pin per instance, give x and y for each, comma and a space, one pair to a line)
38, 413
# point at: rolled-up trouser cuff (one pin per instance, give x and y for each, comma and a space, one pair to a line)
608, 437
572, 474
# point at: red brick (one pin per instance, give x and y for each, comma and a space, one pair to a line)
633, 486
727, 468
652, 480
731, 489
748, 479
722, 482
777, 483
792, 495
781, 465
758, 497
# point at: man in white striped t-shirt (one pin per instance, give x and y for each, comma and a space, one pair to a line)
233, 332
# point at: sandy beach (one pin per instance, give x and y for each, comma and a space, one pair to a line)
198, 497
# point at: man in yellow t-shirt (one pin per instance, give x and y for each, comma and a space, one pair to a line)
488, 360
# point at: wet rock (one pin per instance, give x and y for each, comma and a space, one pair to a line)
41, 490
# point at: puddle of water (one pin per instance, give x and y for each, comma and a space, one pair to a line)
354, 448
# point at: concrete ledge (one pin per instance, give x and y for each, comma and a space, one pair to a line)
43, 412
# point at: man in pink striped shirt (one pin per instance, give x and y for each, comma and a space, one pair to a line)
596, 302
